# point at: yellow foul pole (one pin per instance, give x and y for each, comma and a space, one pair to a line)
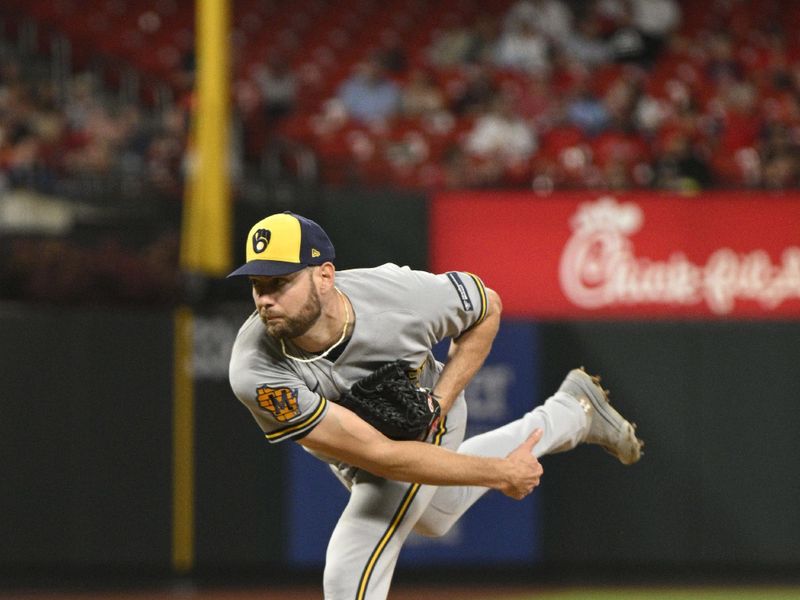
206, 233
205, 246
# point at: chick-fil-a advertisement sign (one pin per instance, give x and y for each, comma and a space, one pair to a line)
638, 255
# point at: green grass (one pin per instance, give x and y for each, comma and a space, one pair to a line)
699, 593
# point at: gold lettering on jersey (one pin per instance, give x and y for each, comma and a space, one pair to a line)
281, 402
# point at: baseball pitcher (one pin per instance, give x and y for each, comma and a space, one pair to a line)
341, 363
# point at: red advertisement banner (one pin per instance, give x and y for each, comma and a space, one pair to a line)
628, 255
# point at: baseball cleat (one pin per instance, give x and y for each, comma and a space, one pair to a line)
607, 429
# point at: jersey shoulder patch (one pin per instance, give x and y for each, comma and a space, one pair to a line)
461, 290
281, 402
464, 291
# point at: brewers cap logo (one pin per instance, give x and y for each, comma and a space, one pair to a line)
281, 402
284, 243
261, 240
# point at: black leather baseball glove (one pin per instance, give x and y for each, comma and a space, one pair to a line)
389, 401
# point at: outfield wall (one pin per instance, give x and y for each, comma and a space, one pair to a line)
86, 432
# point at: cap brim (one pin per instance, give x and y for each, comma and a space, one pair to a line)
266, 268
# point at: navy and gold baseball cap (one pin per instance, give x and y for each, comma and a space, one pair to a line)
284, 243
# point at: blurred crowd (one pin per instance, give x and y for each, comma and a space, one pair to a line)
47, 136
67, 156
550, 94
543, 94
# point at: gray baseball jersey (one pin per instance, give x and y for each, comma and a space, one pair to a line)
400, 313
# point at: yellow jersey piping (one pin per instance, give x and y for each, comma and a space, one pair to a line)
308, 423
405, 503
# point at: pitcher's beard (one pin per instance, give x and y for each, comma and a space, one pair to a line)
288, 328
